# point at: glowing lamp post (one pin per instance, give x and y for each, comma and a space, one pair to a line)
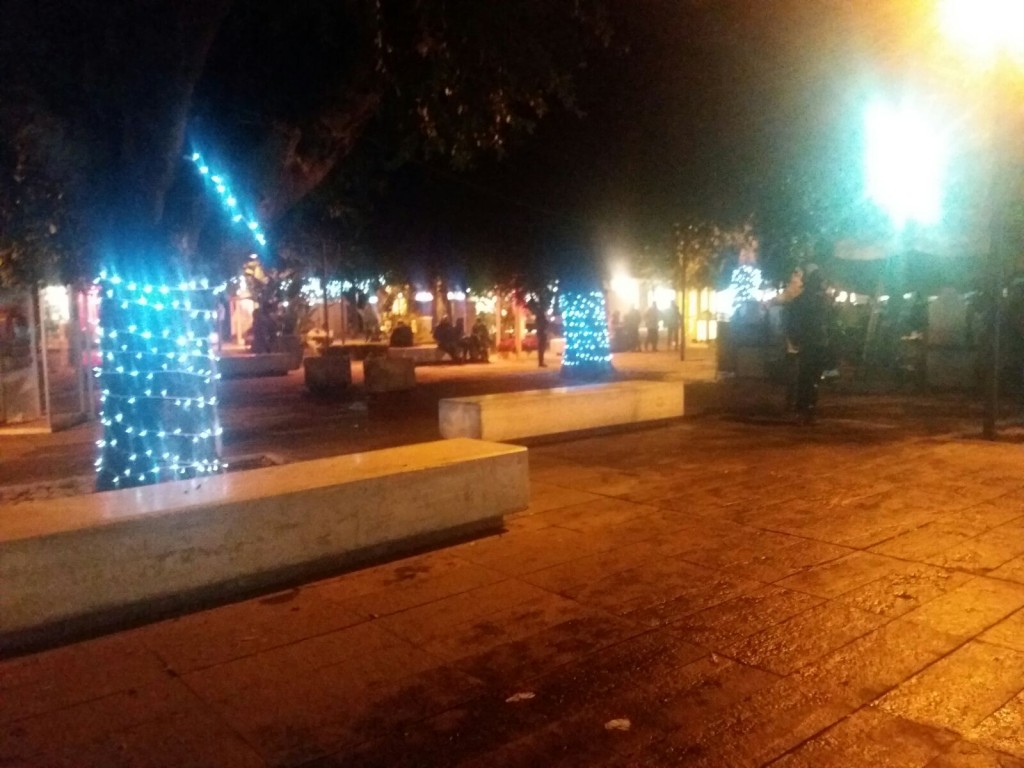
991, 34
905, 164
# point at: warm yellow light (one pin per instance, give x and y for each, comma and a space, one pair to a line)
985, 29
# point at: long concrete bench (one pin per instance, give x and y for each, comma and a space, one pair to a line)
87, 562
515, 415
244, 366
421, 355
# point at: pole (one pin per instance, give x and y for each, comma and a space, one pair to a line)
995, 290
999, 152
684, 263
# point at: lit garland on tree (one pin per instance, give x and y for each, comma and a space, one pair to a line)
744, 285
228, 199
158, 383
587, 348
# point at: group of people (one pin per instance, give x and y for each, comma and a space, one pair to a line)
627, 330
461, 347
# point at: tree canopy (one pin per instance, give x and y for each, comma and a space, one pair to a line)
281, 93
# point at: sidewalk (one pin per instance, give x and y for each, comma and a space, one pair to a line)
710, 593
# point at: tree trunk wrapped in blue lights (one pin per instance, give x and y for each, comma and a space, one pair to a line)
158, 383
587, 348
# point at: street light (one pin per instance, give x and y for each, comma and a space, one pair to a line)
905, 164
991, 33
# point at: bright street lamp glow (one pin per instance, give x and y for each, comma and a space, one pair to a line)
984, 28
905, 164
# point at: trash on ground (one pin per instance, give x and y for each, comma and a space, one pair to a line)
522, 696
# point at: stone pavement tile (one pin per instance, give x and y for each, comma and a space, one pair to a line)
984, 552
1008, 633
652, 658
970, 608
688, 533
835, 577
864, 669
694, 694
966, 754
930, 539
645, 592
658, 661
988, 514
511, 664
960, 690
907, 587
804, 638
870, 739
229, 632
726, 491
522, 552
364, 655
319, 713
745, 545
493, 628
870, 527
445, 740
1003, 729
735, 619
591, 479
659, 487
545, 497
1011, 570
569, 577
41, 738
624, 521
52, 680
751, 733
404, 584
775, 564
193, 739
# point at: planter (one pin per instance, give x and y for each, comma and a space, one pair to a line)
328, 374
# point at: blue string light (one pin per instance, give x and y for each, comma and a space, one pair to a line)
744, 284
157, 378
219, 183
587, 347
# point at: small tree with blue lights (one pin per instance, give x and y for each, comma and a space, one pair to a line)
157, 382
587, 348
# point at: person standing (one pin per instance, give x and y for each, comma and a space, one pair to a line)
540, 324
652, 317
672, 320
808, 320
631, 327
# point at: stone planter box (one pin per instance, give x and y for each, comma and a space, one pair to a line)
328, 374
389, 374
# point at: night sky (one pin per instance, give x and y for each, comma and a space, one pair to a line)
717, 110
704, 109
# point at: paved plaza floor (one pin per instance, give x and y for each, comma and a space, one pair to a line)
715, 592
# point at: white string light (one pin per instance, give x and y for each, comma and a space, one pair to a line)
158, 379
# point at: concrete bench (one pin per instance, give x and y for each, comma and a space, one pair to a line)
242, 366
421, 355
94, 561
514, 415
